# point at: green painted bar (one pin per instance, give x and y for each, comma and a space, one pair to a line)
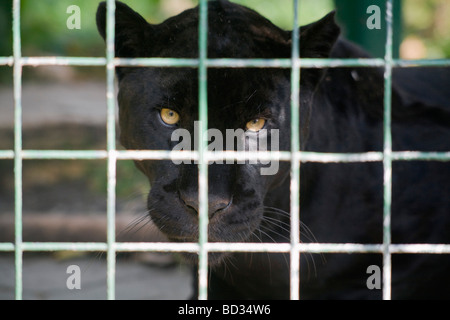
158, 246
17, 73
414, 248
203, 147
223, 62
65, 154
63, 61
277, 63
295, 164
65, 246
111, 147
9, 61
337, 63
421, 63
7, 246
302, 156
246, 63
6, 154
250, 63
420, 156
156, 62
387, 154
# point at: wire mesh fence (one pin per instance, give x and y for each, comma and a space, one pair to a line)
295, 156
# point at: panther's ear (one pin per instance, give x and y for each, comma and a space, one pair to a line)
316, 41
318, 38
131, 31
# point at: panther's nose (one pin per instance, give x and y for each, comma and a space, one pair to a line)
216, 203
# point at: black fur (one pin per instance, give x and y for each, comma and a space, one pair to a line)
341, 111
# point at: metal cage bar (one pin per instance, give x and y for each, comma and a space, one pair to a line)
295, 156
222, 62
111, 147
387, 155
203, 147
417, 248
295, 164
302, 156
17, 74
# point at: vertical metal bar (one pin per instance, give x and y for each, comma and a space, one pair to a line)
111, 146
17, 74
295, 163
387, 155
203, 163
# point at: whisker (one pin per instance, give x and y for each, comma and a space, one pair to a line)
306, 234
133, 224
278, 210
309, 257
276, 233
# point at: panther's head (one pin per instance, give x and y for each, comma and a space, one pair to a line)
245, 106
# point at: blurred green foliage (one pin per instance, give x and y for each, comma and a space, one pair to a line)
44, 30
429, 21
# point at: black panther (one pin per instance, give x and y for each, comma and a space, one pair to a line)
341, 110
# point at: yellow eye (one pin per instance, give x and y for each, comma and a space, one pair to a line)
169, 116
255, 125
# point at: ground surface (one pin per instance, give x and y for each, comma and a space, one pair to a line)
45, 278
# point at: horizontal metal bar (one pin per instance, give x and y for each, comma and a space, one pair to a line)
247, 155
9, 61
64, 154
336, 63
6, 154
248, 247
157, 246
223, 62
64, 246
232, 247
339, 157
63, 61
277, 63
156, 155
340, 248
7, 246
421, 63
155, 62
374, 248
249, 63
425, 248
420, 156
303, 156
